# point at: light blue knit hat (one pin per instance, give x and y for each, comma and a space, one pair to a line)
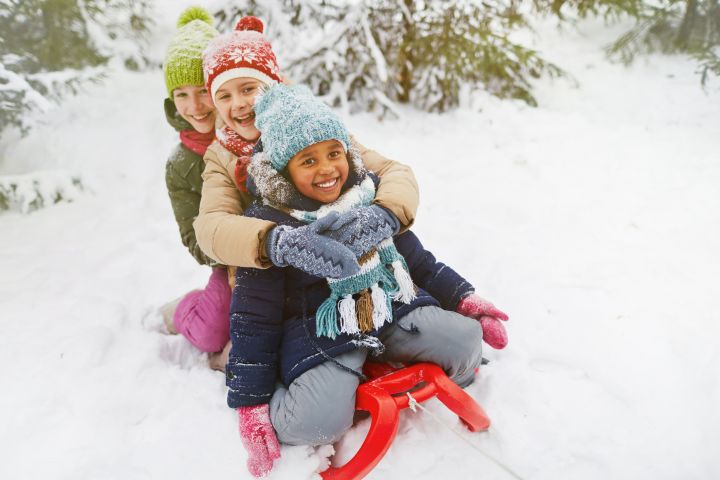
291, 118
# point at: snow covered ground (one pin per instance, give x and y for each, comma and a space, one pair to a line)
594, 220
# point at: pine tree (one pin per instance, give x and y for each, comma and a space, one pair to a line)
446, 45
52, 47
667, 26
375, 54
48, 50
346, 65
672, 26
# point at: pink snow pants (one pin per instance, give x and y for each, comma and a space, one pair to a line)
203, 316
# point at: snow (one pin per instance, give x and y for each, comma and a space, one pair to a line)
592, 220
13, 81
28, 192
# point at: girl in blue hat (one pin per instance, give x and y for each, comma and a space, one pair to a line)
299, 340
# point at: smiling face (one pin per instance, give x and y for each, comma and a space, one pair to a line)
234, 101
194, 104
320, 170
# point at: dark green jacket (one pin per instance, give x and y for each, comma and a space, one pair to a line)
183, 177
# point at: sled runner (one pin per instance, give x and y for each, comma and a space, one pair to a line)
385, 395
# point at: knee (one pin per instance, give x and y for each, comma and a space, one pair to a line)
468, 352
327, 427
213, 340
206, 328
317, 424
317, 408
470, 342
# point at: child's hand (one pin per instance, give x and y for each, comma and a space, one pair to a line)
306, 249
258, 438
494, 333
489, 316
361, 229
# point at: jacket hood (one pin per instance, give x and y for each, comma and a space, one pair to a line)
174, 118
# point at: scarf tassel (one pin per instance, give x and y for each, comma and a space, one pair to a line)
372, 308
326, 319
348, 317
364, 309
406, 288
405, 291
370, 312
381, 312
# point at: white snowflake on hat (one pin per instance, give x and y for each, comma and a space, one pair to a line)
210, 65
271, 65
241, 54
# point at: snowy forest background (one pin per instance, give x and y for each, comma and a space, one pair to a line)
567, 158
362, 55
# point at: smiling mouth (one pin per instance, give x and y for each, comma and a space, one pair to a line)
246, 119
200, 118
328, 184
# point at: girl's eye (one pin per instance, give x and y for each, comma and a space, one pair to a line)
309, 162
203, 91
334, 154
248, 90
181, 95
223, 96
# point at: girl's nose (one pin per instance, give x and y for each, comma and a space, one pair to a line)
196, 105
240, 102
325, 166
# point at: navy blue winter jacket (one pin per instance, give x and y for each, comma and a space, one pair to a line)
272, 315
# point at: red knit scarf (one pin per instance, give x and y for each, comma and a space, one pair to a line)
240, 147
196, 141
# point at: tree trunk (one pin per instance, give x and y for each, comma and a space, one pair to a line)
712, 35
682, 41
405, 54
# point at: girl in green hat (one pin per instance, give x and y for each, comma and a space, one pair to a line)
201, 315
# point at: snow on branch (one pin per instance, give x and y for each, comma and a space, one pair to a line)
26, 193
371, 55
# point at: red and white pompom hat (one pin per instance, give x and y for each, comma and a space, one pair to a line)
245, 52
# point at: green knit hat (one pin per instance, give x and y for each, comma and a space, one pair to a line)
183, 60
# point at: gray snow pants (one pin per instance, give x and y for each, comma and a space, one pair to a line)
318, 406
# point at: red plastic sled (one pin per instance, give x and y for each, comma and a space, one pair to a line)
384, 397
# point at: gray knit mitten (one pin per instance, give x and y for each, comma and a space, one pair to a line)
304, 248
360, 229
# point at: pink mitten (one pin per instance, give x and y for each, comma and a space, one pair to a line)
494, 333
489, 316
258, 438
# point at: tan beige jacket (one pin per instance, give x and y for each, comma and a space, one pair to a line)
231, 239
